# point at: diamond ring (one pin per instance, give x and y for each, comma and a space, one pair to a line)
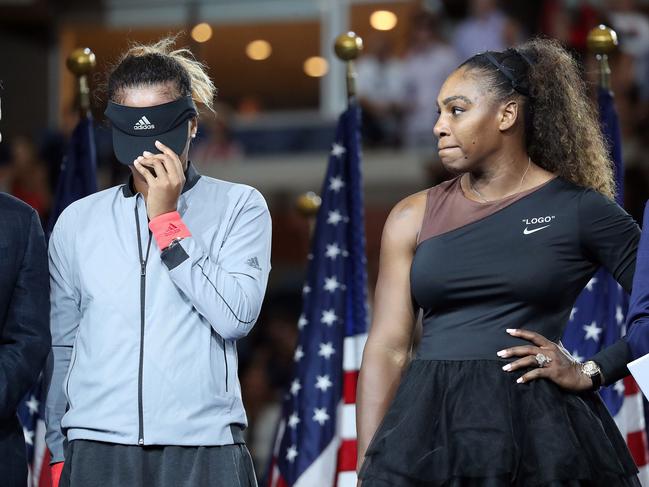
542, 360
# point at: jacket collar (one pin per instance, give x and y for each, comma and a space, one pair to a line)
191, 178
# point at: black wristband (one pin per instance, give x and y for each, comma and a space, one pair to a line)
592, 369
597, 381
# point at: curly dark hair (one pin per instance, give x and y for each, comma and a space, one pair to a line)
562, 132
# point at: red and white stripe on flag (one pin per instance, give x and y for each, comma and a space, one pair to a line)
39, 470
340, 455
631, 422
347, 451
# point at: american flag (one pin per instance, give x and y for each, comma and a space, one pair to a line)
316, 439
77, 179
598, 318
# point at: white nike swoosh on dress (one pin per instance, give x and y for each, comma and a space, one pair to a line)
527, 232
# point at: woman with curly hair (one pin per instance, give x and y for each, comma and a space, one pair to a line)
495, 259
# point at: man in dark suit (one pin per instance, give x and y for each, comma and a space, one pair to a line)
24, 326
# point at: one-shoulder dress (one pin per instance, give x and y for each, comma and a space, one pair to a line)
457, 418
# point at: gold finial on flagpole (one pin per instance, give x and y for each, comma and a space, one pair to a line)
348, 47
308, 205
81, 62
602, 40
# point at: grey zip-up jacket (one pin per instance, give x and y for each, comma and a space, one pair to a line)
143, 342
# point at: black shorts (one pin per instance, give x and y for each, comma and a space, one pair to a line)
98, 464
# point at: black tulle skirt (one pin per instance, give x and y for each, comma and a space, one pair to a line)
468, 423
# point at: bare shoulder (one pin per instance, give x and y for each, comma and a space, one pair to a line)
410, 207
405, 219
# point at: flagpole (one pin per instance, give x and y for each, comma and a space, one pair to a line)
348, 47
81, 62
602, 40
78, 174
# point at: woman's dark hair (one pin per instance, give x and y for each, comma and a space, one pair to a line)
157, 64
562, 133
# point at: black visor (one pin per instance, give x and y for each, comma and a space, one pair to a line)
135, 129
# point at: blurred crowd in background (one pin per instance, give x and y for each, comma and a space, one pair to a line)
397, 89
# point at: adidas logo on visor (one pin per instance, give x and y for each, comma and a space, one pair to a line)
143, 124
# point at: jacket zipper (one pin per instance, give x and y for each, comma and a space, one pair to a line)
67, 384
143, 261
225, 359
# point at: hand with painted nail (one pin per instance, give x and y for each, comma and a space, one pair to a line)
548, 360
165, 179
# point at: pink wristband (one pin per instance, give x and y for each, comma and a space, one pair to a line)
167, 227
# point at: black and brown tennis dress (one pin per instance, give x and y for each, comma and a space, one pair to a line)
457, 418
